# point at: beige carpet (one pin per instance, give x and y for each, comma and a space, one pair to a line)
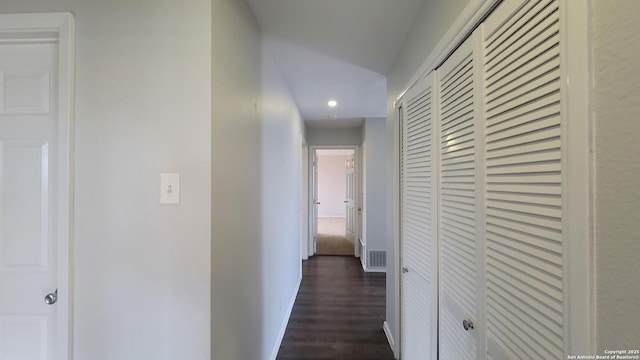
331, 239
331, 225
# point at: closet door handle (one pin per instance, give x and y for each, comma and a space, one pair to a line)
467, 325
405, 270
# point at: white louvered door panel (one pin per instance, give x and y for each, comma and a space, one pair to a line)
418, 200
417, 316
460, 255
418, 226
524, 214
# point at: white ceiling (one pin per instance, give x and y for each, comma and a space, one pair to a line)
336, 49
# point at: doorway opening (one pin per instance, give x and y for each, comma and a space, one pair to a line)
335, 215
336, 194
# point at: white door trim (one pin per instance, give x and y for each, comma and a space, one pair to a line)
394, 272
357, 168
304, 223
311, 201
62, 27
579, 187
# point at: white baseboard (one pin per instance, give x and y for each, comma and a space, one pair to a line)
375, 270
387, 332
285, 322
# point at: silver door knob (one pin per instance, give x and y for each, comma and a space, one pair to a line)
467, 325
51, 299
405, 270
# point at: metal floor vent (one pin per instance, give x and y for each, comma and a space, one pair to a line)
377, 259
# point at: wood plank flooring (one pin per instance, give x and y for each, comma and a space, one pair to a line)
338, 314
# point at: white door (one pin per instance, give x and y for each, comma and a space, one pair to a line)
461, 198
304, 179
511, 174
350, 199
360, 199
418, 224
28, 201
525, 175
315, 202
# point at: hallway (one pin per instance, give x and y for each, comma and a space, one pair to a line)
338, 313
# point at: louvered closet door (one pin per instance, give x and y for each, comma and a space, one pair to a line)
459, 138
419, 303
523, 179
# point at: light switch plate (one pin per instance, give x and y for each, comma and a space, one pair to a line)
169, 188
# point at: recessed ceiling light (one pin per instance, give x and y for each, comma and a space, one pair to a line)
332, 103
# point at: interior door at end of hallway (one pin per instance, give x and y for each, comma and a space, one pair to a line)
350, 199
315, 202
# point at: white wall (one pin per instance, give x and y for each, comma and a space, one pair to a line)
236, 193
143, 93
375, 168
615, 102
334, 137
332, 185
256, 133
429, 27
282, 128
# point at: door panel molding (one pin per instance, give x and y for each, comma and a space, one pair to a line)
56, 28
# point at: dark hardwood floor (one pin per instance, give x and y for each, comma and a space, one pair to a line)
338, 314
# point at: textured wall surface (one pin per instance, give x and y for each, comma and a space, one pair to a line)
616, 105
